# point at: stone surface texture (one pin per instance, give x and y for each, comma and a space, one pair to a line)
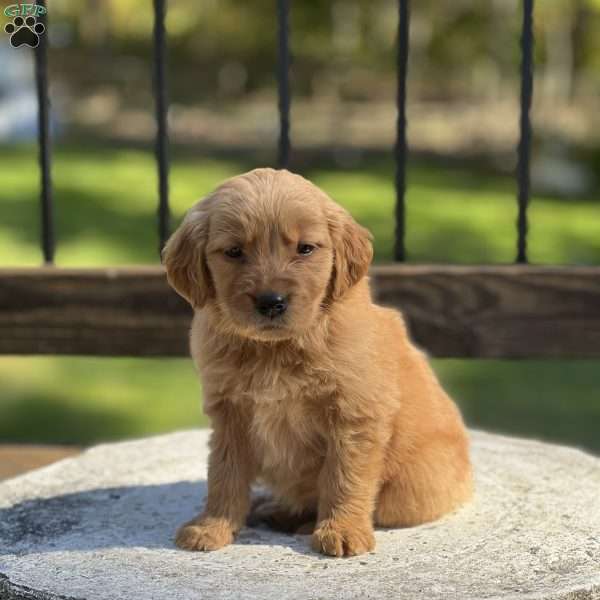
100, 527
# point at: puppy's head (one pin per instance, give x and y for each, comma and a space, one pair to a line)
268, 251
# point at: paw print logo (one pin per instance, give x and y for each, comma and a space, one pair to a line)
24, 32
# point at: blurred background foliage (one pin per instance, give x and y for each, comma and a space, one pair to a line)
463, 128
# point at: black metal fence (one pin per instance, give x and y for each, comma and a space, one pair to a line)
48, 238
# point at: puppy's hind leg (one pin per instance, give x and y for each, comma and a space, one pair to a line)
425, 490
268, 511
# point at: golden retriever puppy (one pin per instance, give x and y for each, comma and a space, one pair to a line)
311, 388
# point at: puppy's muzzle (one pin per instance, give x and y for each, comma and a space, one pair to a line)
271, 304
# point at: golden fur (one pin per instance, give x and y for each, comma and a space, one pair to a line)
330, 405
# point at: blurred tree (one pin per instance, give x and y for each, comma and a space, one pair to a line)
347, 47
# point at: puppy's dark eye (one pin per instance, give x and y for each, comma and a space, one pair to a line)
305, 249
235, 252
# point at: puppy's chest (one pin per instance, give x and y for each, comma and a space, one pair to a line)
287, 416
272, 380
286, 434
286, 398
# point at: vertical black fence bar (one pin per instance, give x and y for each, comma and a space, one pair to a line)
162, 134
524, 149
400, 149
283, 82
44, 142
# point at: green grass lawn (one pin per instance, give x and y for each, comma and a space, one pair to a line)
105, 208
106, 204
85, 400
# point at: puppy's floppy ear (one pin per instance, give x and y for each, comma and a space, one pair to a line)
352, 249
185, 260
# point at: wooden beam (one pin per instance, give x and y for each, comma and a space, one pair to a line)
452, 311
16, 459
497, 311
125, 311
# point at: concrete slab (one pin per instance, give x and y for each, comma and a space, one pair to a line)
100, 527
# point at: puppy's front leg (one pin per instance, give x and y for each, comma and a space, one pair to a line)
348, 486
230, 474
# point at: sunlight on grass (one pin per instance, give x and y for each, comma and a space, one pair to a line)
106, 209
454, 216
85, 400
105, 204
564, 231
553, 400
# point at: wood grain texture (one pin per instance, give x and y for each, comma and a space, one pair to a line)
497, 311
452, 311
129, 311
16, 459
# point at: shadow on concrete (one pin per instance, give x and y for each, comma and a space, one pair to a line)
138, 516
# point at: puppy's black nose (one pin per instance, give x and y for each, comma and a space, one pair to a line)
271, 304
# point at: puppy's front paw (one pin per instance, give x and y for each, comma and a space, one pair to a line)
336, 539
204, 534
